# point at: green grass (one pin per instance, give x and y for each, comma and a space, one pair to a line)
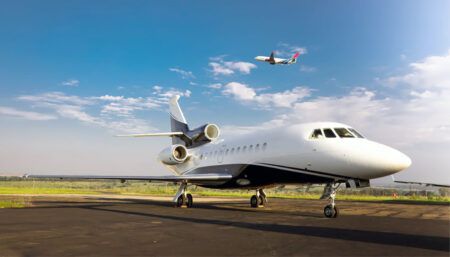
12, 203
162, 189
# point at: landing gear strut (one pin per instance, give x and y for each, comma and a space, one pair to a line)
259, 199
182, 197
329, 192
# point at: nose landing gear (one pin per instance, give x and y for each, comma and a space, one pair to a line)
182, 197
329, 192
259, 199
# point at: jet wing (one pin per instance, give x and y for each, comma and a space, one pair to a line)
419, 183
170, 178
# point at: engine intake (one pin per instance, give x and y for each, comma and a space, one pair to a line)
211, 132
173, 155
203, 135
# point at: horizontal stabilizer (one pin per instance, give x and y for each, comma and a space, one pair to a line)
170, 178
162, 134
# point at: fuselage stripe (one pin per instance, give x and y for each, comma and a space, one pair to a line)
307, 171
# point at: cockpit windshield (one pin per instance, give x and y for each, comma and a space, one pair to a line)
356, 133
331, 133
317, 133
343, 132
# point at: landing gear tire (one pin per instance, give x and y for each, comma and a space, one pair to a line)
254, 202
180, 201
330, 211
189, 200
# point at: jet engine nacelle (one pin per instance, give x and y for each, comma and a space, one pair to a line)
204, 134
175, 154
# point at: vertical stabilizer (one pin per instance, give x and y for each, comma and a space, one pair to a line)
177, 121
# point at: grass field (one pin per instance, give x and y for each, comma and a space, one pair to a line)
167, 189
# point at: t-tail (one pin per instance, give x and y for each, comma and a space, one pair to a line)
180, 132
177, 121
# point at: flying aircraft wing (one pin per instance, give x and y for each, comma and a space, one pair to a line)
170, 178
271, 58
419, 183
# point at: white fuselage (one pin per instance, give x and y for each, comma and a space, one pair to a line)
275, 60
291, 149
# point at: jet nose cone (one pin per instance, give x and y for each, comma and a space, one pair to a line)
395, 161
401, 161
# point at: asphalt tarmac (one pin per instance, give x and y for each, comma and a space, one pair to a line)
114, 226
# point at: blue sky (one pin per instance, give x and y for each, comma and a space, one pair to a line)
82, 52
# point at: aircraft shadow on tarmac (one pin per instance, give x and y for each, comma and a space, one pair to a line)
222, 206
378, 237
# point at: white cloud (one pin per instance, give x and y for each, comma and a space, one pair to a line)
221, 67
432, 72
239, 91
71, 83
304, 68
184, 74
56, 98
287, 50
215, 86
117, 113
246, 94
9, 111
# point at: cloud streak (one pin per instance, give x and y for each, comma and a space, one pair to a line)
248, 95
225, 68
27, 115
183, 73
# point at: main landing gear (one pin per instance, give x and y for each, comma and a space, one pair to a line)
182, 197
329, 192
259, 199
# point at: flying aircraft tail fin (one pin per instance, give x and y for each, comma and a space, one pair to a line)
294, 57
177, 121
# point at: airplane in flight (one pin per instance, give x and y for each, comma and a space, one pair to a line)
272, 60
311, 153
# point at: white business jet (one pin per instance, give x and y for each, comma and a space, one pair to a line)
272, 60
312, 153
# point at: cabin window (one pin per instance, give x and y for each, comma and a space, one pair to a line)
201, 157
232, 150
329, 133
226, 152
343, 132
244, 148
317, 133
264, 146
257, 148
238, 149
250, 148
356, 133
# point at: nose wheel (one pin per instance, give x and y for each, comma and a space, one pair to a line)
259, 199
331, 211
183, 198
329, 192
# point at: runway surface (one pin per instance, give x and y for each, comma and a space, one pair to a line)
104, 226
